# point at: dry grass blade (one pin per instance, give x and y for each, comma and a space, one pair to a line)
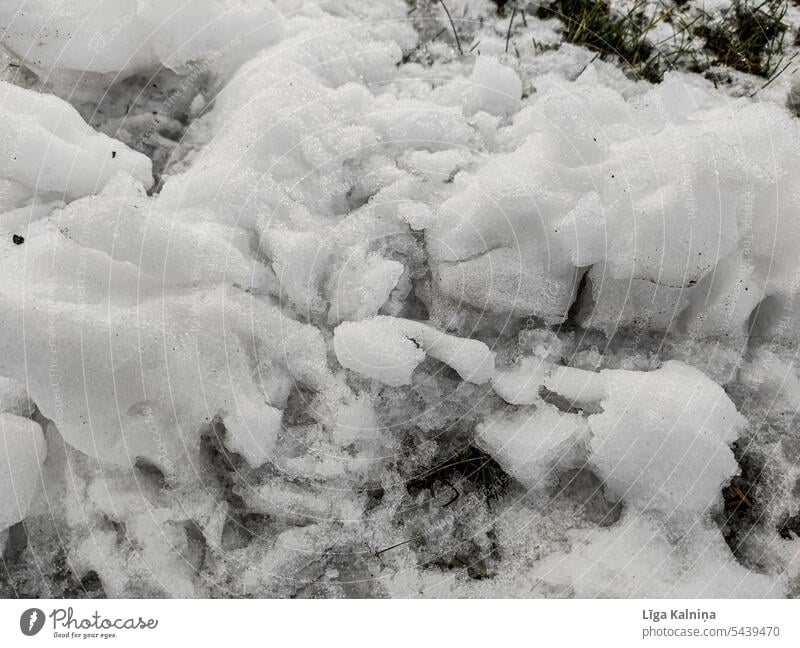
510, 23
452, 24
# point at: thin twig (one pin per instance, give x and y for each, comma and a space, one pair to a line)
742, 496
455, 497
394, 546
436, 469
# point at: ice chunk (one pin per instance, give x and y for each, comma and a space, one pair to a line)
388, 349
22, 453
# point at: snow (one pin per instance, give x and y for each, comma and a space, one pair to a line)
658, 439
380, 350
617, 184
388, 349
162, 391
124, 224
661, 441
49, 150
22, 452
634, 559
535, 447
119, 38
492, 87
530, 318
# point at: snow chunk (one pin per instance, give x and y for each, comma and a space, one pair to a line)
22, 453
636, 559
662, 439
123, 223
388, 349
126, 37
362, 286
102, 497
492, 244
285, 500
520, 384
537, 446
378, 348
774, 379
674, 198
659, 439
48, 148
160, 369
496, 88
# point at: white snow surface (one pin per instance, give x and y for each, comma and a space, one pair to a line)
364, 279
48, 150
388, 349
118, 38
660, 440
23, 453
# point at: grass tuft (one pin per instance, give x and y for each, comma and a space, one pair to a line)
749, 37
593, 24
